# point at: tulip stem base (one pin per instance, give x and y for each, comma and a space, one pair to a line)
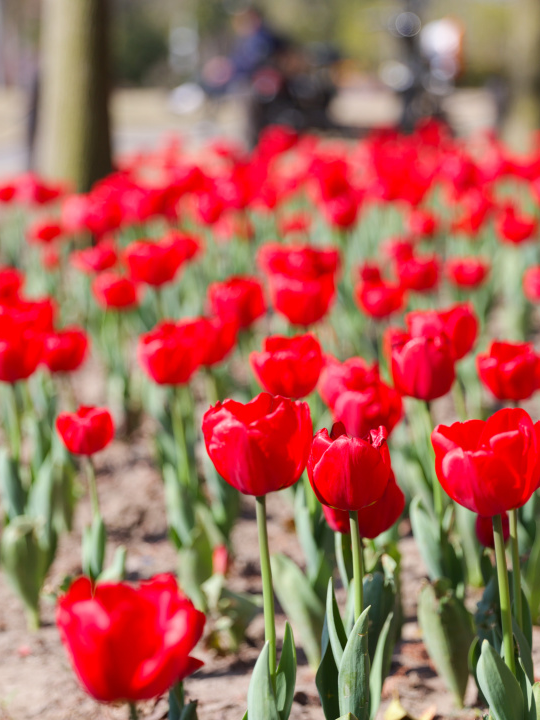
268, 590
133, 714
358, 565
504, 593
516, 570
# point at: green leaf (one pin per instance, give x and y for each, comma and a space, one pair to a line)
526, 691
426, 534
286, 674
353, 674
381, 663
531, 576
524, 650
499, 686
326, 678
380, 593
301, 604
336, 632
448, 633
179, 505
536, 695
12, 492
261, 700
117, 569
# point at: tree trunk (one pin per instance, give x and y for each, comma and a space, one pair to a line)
73, 116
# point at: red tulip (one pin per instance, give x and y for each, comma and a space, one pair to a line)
217, 338
380, 299
116, 292
489, 467
238, 299
171, 352
11, 282
349, 473
476, 206
288, 366
152, 263
422, 367
36, 316
86, 431
20, 350
374, 519
358, 397
44, 231
531, 284
259, 447
129, 642
95, 259
422, 223
458, 323
467, 272
301, 280
484, 530
510, 370
297, 223
515, 228
65, 350
419, 273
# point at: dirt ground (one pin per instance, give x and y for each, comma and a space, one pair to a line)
36, 680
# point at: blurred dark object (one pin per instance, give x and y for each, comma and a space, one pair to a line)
73, 116
430, 62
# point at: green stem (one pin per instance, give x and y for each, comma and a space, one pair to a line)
179, 433
268, 590
133, 714
358, 565
459, 400
14, 422
516, 570
504, 593
92, 486
438, 498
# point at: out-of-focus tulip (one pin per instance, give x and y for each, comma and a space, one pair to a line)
11, 282
484, 530
531, 284
510, 370
115, 292
259, 447
65, 350
95, 259
467, 272
419, 273
86, 431
20, 350
129, 642
514, 227
238, 299
288, 366
44, 231
458, 323
171, 352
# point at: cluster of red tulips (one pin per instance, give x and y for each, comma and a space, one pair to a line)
371, 289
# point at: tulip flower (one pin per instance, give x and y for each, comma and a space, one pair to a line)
259, 447
419, 273
238, 299
422, 223
11, 282
511, 371
20, 349
531, 284
44, 231
490, 468
128, 643
171, 352
152, 263
302, 280
467, 272
218, 338
458, 323
515, 228
113, 291
380, 299
350, 474
422, 367
95, 259
64, 350
358, 397
86, 431
288, 366
374, 519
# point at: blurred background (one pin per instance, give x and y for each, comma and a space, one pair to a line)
81, 80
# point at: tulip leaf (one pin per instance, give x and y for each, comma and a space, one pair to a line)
448, 633
499, 686
12, 491
426, 533
536, 694
93, 548
381, 663
380, 593
353, 674
117, 569
348, 716
301, 604
286, 675
526, 690
532, 578
525, 654
179, 504
261, 699
336, 632
326, 678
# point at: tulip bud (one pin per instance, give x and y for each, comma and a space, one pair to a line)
25, 561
